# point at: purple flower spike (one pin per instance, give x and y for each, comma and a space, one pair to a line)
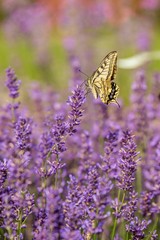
23, 133
127, 162
137, 227
112, 142
154, 235
3, 171
130, 208
12, 83
69, 234
146, 203
75, 102
59, 132
137, 118
49, 221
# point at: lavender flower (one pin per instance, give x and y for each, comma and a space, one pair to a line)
20, 154
153, 102
137, 227
155, 94
100, 123
130, 207
62, 127
127, 162
12, 83
49, 224
15, 197
73, 206
23, 134
87, 200
53, 142
17, 206
152, 169
80, 166
47, 162
69, 234
146, 203
3, 171
149, 202
75, 102
154, 235
59, 132
112, 148
86, 156
138, 120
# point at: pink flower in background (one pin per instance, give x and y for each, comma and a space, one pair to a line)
11, 5
150, 4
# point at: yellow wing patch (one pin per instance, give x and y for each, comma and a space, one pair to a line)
102, 82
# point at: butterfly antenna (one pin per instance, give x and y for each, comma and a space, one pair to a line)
117, 104
88, 91
83, 73
84, 80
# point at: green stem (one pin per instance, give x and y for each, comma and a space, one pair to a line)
123, 197
139, 179
94, 237
19, 224
115, 220
9, 233
54, 147
57, 159
127, 235
114, 228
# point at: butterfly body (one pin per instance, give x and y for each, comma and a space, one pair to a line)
102, 80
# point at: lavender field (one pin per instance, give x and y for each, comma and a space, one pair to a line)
72, 167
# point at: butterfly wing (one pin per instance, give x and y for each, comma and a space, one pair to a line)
102, 80
107, 68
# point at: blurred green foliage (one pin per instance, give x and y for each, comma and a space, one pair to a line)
21, 57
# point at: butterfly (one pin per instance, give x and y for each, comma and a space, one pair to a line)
102, 82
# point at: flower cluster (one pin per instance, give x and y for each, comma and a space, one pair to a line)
67, 175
